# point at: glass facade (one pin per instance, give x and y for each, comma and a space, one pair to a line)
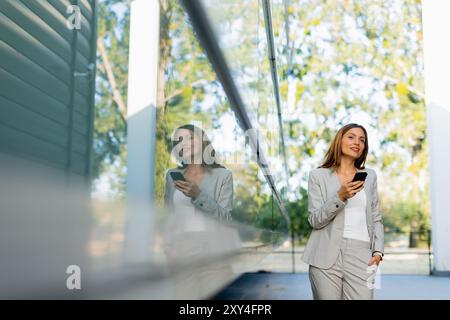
256, 225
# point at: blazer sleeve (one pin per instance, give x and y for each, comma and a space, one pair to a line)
321, 211
377, 219
220, 208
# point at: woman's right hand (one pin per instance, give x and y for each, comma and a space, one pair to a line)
349, 189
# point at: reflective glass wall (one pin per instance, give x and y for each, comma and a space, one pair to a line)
225, 219
235, 197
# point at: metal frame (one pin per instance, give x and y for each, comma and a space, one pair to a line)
273, 70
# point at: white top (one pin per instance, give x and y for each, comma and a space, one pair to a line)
355, 218
189, 220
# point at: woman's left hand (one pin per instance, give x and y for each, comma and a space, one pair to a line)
189, 189
375, 259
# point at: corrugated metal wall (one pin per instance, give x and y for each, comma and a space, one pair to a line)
47, 78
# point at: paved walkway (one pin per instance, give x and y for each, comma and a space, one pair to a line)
288, 286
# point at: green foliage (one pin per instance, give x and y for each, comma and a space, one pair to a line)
298, 211
186, 73
249, 199
109, 154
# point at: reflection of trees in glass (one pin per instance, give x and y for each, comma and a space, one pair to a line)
185, 78
189, 81
111, 93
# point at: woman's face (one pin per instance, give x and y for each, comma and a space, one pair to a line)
189, 143
353, 143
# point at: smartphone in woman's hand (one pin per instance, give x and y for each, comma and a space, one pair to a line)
359, 176
177, 176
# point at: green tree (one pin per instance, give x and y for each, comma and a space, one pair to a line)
109, 154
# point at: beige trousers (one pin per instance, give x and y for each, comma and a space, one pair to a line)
348, 278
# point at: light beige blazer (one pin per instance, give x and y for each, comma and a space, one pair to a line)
326, 216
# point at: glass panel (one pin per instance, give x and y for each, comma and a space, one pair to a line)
196, 97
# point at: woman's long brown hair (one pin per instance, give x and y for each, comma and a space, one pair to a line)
334, 153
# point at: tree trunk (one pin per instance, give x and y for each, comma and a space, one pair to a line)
162, 159
111, 79
165, 47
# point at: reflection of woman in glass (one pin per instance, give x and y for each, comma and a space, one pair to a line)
190, 236
209, 186
347, 237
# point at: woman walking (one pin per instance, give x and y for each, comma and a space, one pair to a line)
347, 237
